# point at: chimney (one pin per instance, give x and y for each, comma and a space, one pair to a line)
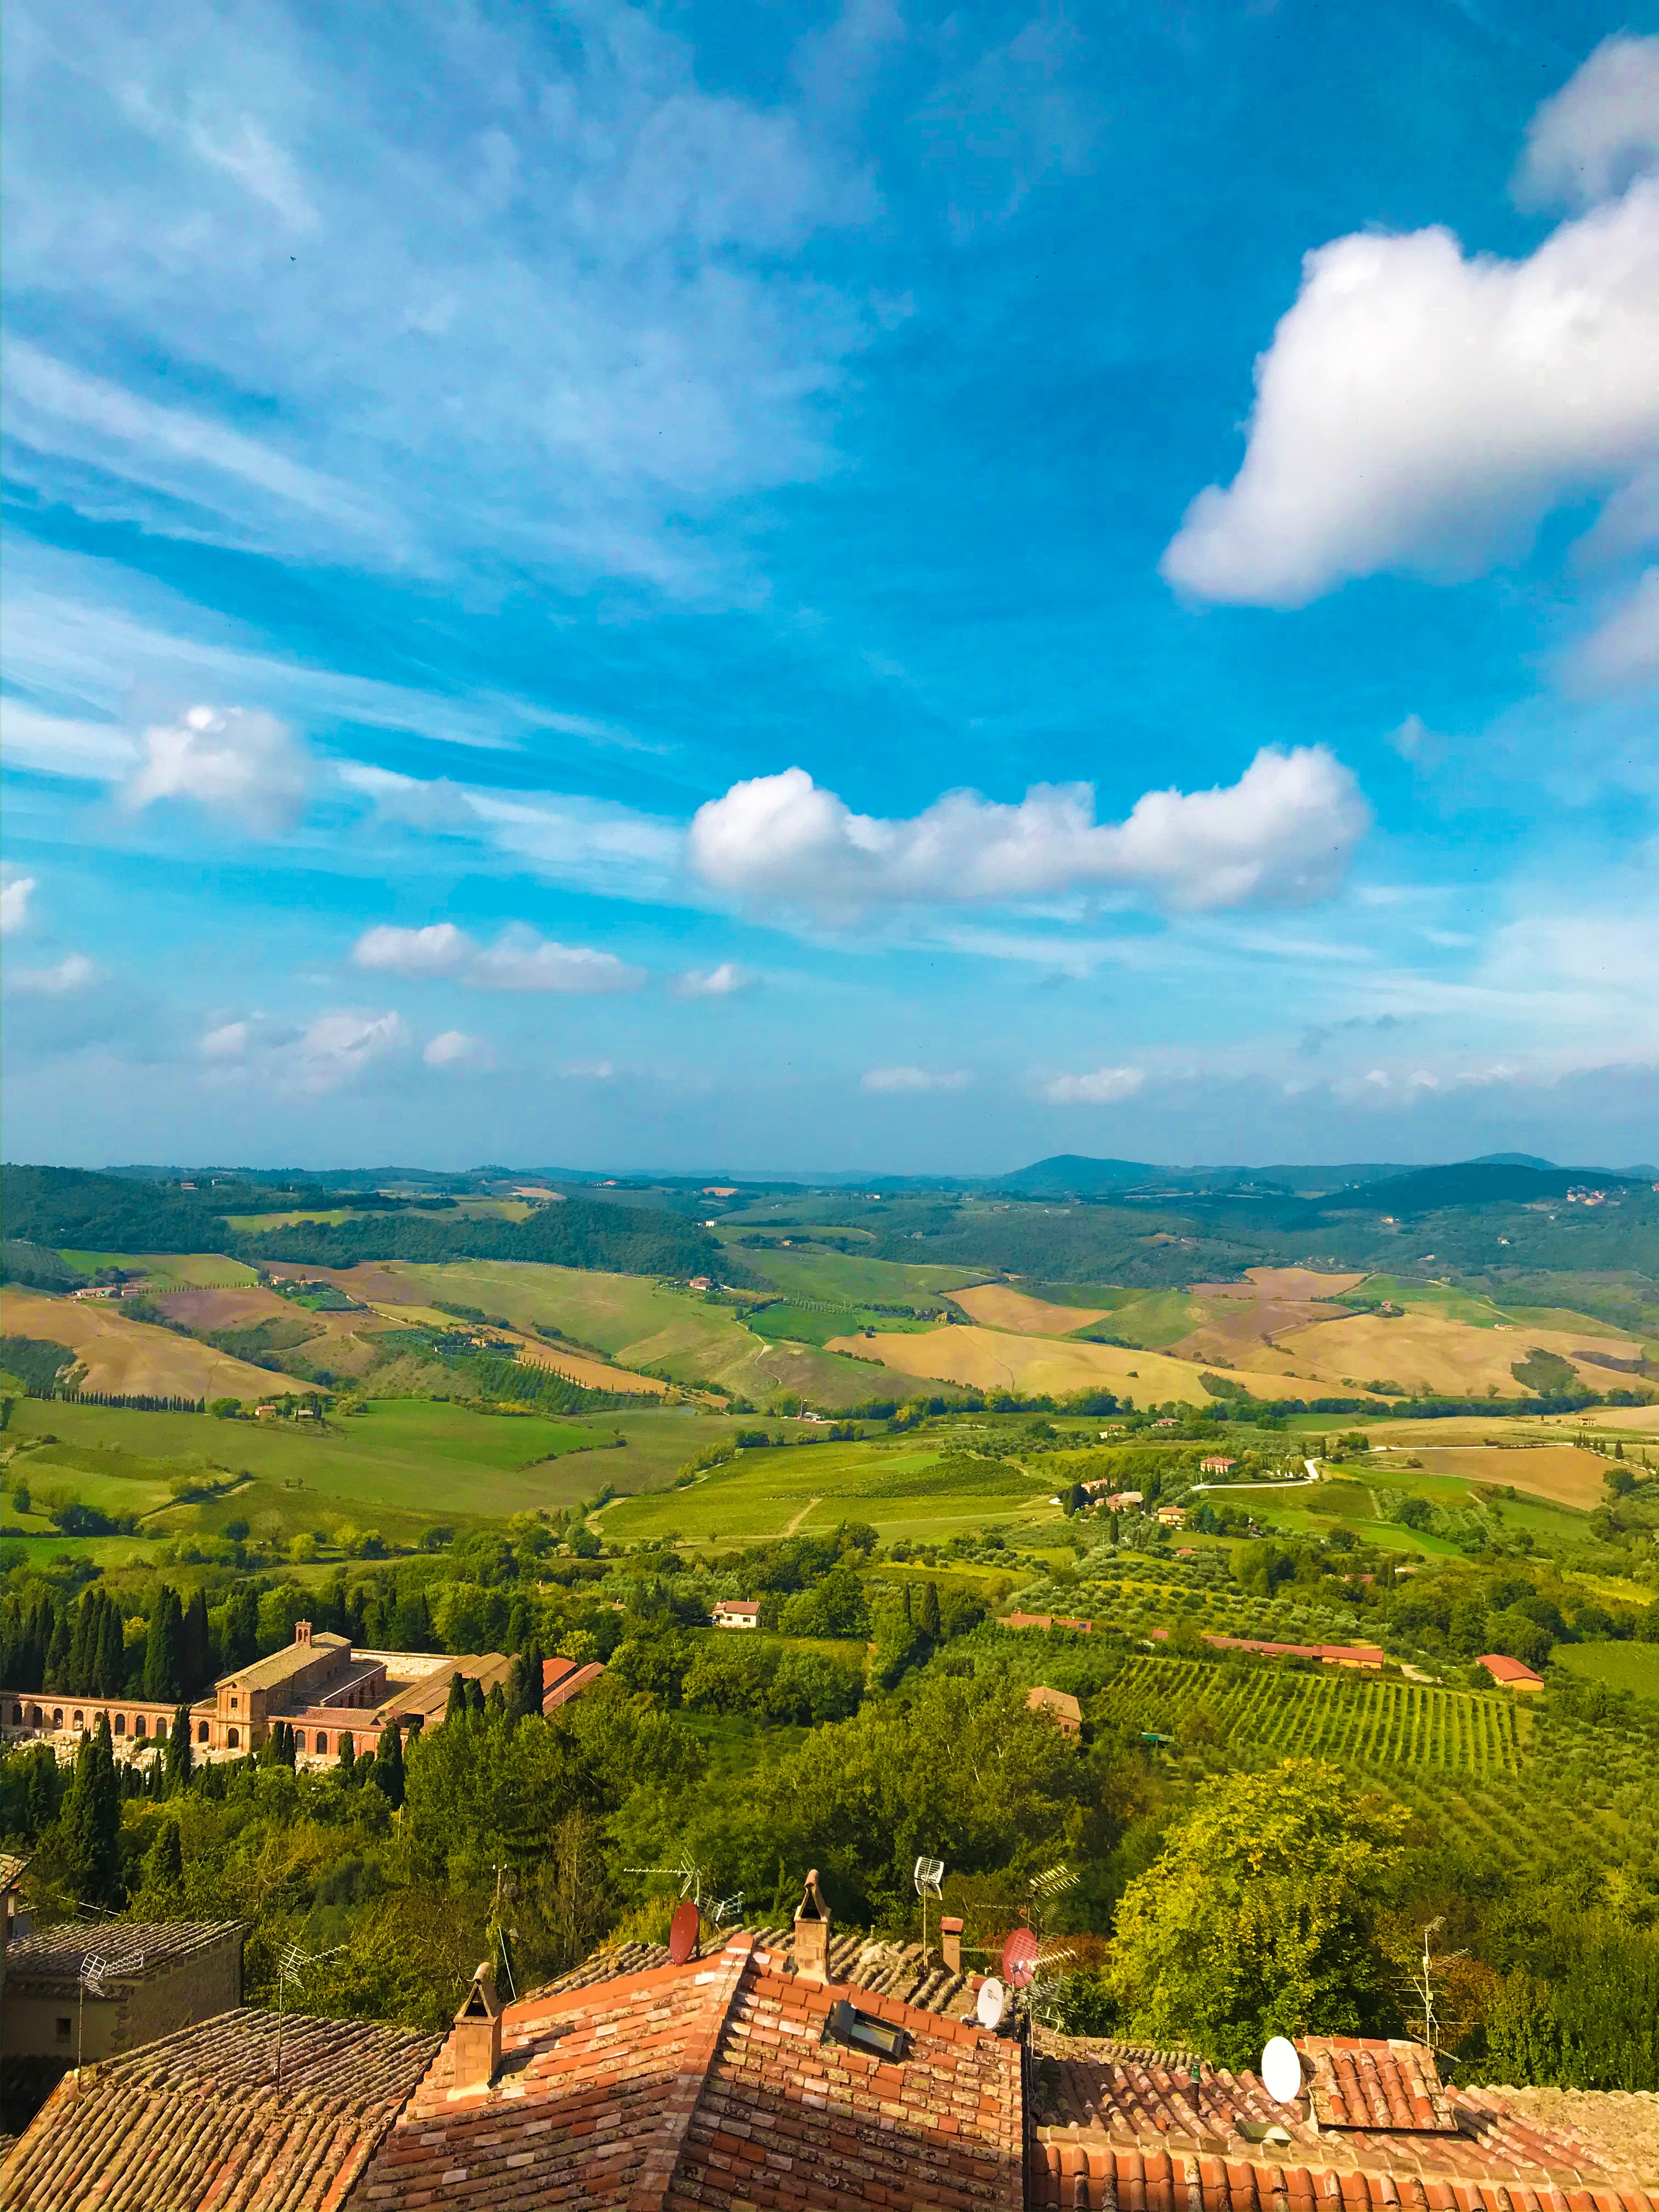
302, 1632
812, 1932
476, 2040
950, 1936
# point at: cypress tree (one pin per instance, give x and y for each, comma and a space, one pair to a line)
78, 1674
455, 1709
164, 1862
495, 1702
178, 1753
91, 1822
41, 1791
475, 1697
241, 1630
348, 1757
110, 1674
389, 1766
929, 1623
164, 1649
197, 1655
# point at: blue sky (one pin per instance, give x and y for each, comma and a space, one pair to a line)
798, 589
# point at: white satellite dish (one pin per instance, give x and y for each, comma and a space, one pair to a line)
1282, 2070
991, 1998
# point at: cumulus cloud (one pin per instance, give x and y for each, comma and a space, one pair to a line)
1622, 653
1599, 133
519, 960
236, 762
1282, 833
1102, 1086
726, 981
1419, 411
339, 1049
15, 892
916, 1079
74, 972
460, 1055
227, 1042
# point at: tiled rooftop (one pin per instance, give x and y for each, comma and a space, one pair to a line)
196, 2120
1156, 2135
132, 1949
886, 1969
278, 1666
710, 2084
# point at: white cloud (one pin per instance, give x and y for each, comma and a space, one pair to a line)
74, 972
232, 761
1622, 653
916, 1079
1102, 1086
227, 1042
725, 981
461, 1054
1419, 410
439, 949
519, 960
1282, 833
15, 892
339, 1049
59, 744
1599, 133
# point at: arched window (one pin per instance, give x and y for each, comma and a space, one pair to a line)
79, 1720
17, 1716
322, 1739
232, 1738
138, 1727
58, 1716
201, 1731
120, 1724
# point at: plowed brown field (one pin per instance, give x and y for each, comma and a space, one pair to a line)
997, 1307
132, 1357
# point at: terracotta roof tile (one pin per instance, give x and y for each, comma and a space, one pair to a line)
1155, 2134
884, 1968
132, 1949
710, 2084
196, 2121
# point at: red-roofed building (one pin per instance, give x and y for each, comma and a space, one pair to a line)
1508, 1673
1122, 2127
1329, 1654
563, 1680
736, 1612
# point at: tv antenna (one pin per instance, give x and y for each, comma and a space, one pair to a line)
929, 1878
727, 1908
95, 1971
1048, 1888
1423, 1983
291, 1967
691, 1878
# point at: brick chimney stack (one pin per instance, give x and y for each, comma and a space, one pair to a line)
474, 2042
950, 1936
812, 1932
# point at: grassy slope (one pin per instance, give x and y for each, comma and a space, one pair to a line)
124, 1356
1620, 1666
848, 1279
897, 1488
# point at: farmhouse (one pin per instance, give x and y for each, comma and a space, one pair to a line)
1217, 1463
1061, 1706
1171, 1517
736, 1612
1510, 1673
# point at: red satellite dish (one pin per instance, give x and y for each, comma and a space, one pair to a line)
1019, 1957
682, 1931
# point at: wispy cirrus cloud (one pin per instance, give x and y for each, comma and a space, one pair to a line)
888, 1081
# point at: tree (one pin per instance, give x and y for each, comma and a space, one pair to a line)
455, 1706
90, 1827
164, 1647
110, 1666
240, 1634
348, 1757
197, 1651
179, 1757
164, 1862
388, 1772
1255, 1920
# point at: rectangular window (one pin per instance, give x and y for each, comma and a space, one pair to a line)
64, 2028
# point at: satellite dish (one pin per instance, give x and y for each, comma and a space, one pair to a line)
989, 2006
682, 1931
1020, 1958
1282, 2070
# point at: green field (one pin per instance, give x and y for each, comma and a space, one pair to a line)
1153, 1322
902, 1490
642, 1323
405, 1462
1633, 1667
168, 1271
848, 1279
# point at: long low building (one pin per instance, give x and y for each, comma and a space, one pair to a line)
317, 1686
